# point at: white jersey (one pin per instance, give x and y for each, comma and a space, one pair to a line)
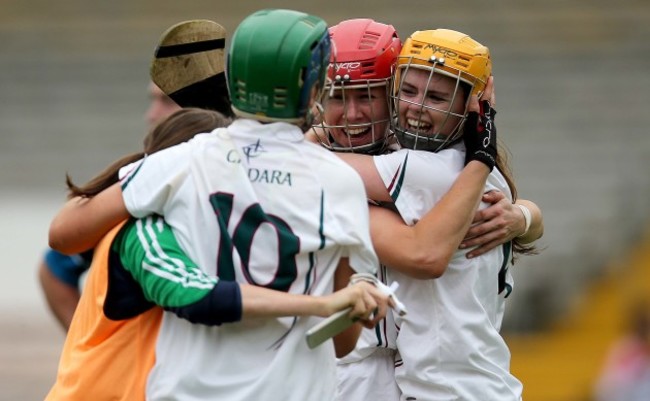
368, 372
291, 211
449, 342
381, 336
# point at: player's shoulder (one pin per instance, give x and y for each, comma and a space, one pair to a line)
341, 170
326, 158
451, 158
417, 161
330, 168
200, 140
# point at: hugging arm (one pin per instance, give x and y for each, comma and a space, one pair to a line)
365, 166
147, 247
501, 222
536, 229
82, 222
61, 297
424, 250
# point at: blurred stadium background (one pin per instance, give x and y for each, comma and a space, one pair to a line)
572, 78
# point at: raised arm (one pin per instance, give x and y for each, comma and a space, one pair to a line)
424, 250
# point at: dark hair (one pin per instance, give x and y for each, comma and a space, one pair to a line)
179, 127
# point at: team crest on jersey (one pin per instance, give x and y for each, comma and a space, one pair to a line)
253, 150
277, 177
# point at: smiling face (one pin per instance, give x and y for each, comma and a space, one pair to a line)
430, 104
357, 118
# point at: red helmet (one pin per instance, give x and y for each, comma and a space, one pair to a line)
364, 50
363, 56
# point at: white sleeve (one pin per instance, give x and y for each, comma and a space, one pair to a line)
417, 180
362, 256
126, 170
353, 224
146, 189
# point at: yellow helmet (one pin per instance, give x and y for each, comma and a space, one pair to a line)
452, 52
445, 52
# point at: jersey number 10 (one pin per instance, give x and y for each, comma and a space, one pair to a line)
242, 241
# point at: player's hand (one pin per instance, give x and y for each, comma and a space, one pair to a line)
480, 133
495, 225
369, 305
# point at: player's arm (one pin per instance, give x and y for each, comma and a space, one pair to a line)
525, 224
501, 222
365, 167
59, 277
82, 222
61, 297
148, 250
424, 250
536, 228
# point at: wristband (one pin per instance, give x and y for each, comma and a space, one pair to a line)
527, 218
480, 136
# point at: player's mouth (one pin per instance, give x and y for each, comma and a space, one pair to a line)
356, 132
418, 126
357, 135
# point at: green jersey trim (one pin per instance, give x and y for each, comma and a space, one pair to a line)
149, 250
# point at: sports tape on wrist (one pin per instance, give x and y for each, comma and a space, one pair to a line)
527, 218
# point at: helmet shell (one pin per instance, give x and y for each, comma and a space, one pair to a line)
364, 50
363, 58
446, 52
452, 52
277, 60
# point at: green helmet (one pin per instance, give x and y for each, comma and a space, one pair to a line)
277, 61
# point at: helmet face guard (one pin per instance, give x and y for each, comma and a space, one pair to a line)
436, 73
356, 116
277, 65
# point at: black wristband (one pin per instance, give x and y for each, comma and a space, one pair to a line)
480, 136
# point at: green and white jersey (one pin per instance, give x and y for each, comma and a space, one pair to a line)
258, 204
449, 341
